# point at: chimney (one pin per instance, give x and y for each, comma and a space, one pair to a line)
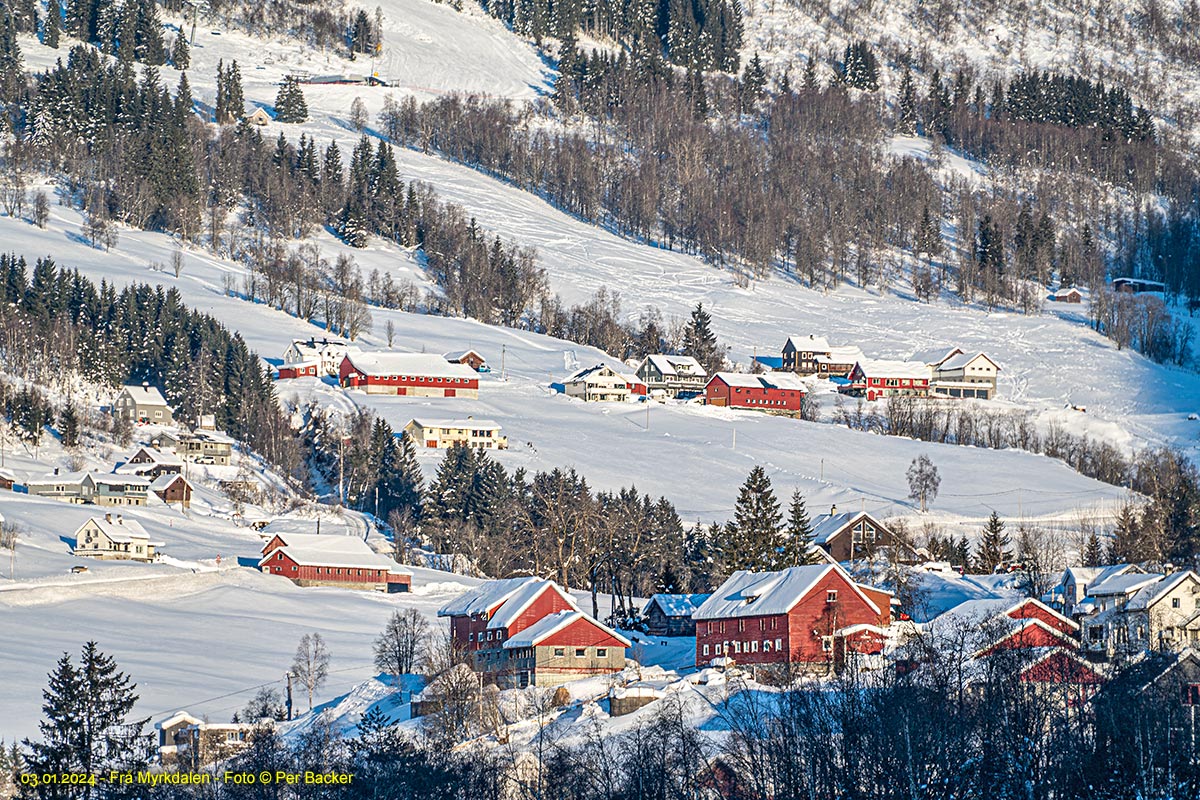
107, 517
145, 384
56, 470
833, 509
120, 520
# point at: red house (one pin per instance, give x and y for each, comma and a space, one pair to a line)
522, 631
410, 374
332, 560
299, 369
771, 391
1026, 634
1030, 608
876, 379
811, 616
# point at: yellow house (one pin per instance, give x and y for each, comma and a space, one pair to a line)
443, 433
114, 537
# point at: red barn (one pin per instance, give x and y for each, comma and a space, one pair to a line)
410, 374
333, 560
810, 615
771, 391
484, 621
299, 369
1026, 634
876, 379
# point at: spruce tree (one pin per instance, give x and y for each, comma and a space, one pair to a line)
68, 426
86, 727
52, 31
798, 547
289, 102
181, 53
1126, 545
993, 546
754, 535
809, 82
148, 44
929, 235
1093, 553
754, 81
906, 105
700, 343
12, 69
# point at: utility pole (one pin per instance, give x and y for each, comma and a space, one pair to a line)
341, 470
377, 506
822, 469
503, 353
288, 675
647, 413
735, 438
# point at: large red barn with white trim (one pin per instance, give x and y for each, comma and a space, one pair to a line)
770, 391
409, 374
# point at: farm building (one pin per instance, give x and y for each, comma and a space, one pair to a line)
332, 560
671, 614
172, 489
811, 616
770, 391
299, 369
875, 379
1071, 295
408, 374
470, 358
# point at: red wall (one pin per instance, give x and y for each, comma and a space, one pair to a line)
349, 377
461, 627
1031, 636
717, 391
296, 372
581, 633
794, 629
283, 566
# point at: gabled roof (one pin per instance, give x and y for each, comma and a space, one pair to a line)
117, 529
753, 594
162, 482
1044, 608
676, 605
520, 600
424, 364
145, 395
1067, 291
808, 344
459, 355
157, 458
840, 354
52, 479
331, 550
961, 360
484, 597
674, 366
827, 526
552, 623
473, 424
177, 717
1151, 594
879, 368
109, 479
765, 380
1125, 583
584, 373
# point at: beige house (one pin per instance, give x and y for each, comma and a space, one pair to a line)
444, 433
143, 403
198, 447
563, 647
1161, 614
114, 538
105, 489
959, 374
259, 117
191, 743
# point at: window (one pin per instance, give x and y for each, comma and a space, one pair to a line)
717, 648
741, 625
754, 646
470, 637
559, 652
705, 649
1176, 602
766, 645
580, 652
778, 645
831, 596
1190, 694
827, 644
489, 636
601, 652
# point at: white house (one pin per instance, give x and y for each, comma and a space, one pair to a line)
958, 374
114, 538
444, 433
328, 353
601, 383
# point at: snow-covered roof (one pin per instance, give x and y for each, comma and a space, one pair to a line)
1126, 583
840, 354
826, 526
1084, 576
808, 344
675, 366
117, 529
319, 346
177, 717
585, 372
157, 458
466, 423
520, 600
107, 479
380, 363
1067, 292
332, 550
961, 360
8, 474
54, 479
163, 481
459, 355
676, 605
1149, 595
766, 380
484, 597
551, 624
880, 368
145, 395
753, 594
306, 362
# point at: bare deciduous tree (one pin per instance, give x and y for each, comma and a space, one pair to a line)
398, 648
311, 664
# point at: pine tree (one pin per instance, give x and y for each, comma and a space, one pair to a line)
754, 536
148, 43
86, 729
290, 105
68, 426
53, 29
700, 343
181, 53
929, 235
1125, 547
12, 70
1093, 553
798, 546
993, 546
754, 81
809, 82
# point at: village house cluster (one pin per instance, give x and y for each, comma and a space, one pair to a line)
949, 374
